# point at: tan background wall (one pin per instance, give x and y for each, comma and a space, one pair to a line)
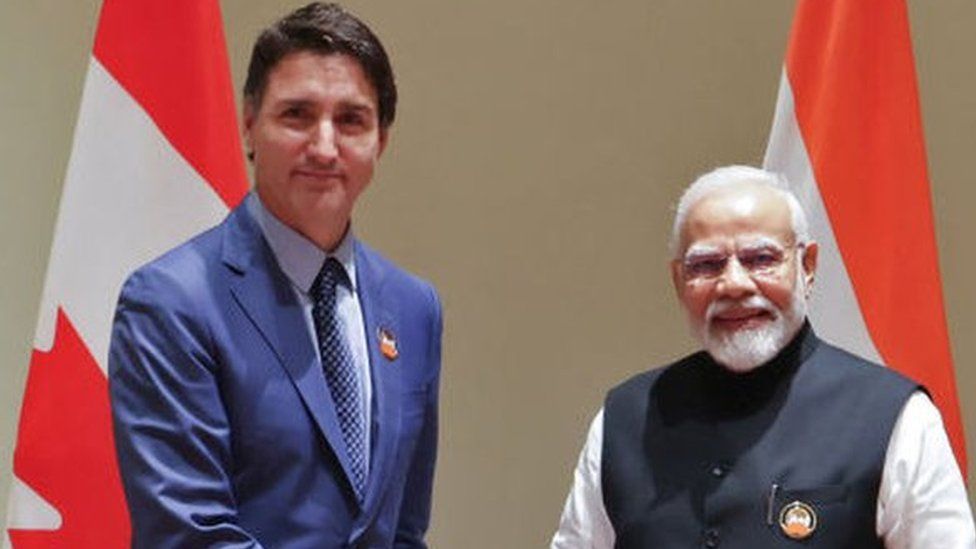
537, 150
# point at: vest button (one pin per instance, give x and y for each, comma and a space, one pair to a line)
711, 540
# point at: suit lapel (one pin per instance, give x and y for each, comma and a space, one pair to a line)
266, 296
377, 316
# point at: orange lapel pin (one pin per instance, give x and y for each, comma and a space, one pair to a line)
388, 344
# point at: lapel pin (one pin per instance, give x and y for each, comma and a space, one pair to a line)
388, 344
798, 520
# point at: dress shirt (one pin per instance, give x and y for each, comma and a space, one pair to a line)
301, 260
921, 502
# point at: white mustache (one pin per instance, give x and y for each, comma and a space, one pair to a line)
754, 302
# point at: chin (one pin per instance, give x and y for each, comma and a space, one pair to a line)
746, 348
316, 205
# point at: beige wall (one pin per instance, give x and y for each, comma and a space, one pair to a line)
537, 150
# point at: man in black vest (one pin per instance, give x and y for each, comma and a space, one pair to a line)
769, 437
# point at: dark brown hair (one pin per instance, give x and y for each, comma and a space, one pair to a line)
326, 29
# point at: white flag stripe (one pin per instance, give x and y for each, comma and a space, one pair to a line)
128, 197
834, 310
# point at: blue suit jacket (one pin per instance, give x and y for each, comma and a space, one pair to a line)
225, 429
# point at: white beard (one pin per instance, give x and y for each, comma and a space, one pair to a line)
745, 349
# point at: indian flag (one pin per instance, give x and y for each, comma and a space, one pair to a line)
848, 134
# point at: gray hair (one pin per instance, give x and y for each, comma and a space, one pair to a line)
728, 176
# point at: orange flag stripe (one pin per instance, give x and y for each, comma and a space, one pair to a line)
852, 72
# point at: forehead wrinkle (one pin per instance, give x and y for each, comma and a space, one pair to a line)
294, 101
758, 242
314, 75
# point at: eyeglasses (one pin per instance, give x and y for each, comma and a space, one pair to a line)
761, 260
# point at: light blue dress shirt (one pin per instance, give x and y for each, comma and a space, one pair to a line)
300, 259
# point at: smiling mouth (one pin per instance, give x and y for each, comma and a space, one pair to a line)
746, 318
320, 175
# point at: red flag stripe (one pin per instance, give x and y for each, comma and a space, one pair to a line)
172, 58
851, 69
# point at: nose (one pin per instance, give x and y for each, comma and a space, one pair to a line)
322, 143
735, 282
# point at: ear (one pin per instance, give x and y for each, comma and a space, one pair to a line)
677, 278
809, 261
384, 138
248, 118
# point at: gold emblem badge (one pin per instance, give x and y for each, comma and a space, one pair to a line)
797, 520
388, 344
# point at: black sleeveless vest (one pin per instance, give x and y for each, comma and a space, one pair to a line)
696, 456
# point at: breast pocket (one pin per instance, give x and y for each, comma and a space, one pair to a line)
835, 515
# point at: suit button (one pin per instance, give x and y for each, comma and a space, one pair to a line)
719, 470
711, 539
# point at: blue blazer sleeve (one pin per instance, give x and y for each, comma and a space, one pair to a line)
414, 516
171, 430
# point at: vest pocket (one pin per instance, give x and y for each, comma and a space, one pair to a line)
834, 515
822, 495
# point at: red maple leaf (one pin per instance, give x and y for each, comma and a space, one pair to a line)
65, 449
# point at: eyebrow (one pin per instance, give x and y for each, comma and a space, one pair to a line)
356, 107
292, 102
342, 105
700, 251
703, 251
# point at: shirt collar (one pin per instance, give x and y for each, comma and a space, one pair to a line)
299, 257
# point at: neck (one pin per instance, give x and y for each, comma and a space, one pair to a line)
325, 231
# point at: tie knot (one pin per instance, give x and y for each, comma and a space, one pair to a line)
330, 275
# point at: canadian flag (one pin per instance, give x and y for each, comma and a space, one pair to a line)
848, 134
156, 158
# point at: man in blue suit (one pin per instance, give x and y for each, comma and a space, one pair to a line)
274, 381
